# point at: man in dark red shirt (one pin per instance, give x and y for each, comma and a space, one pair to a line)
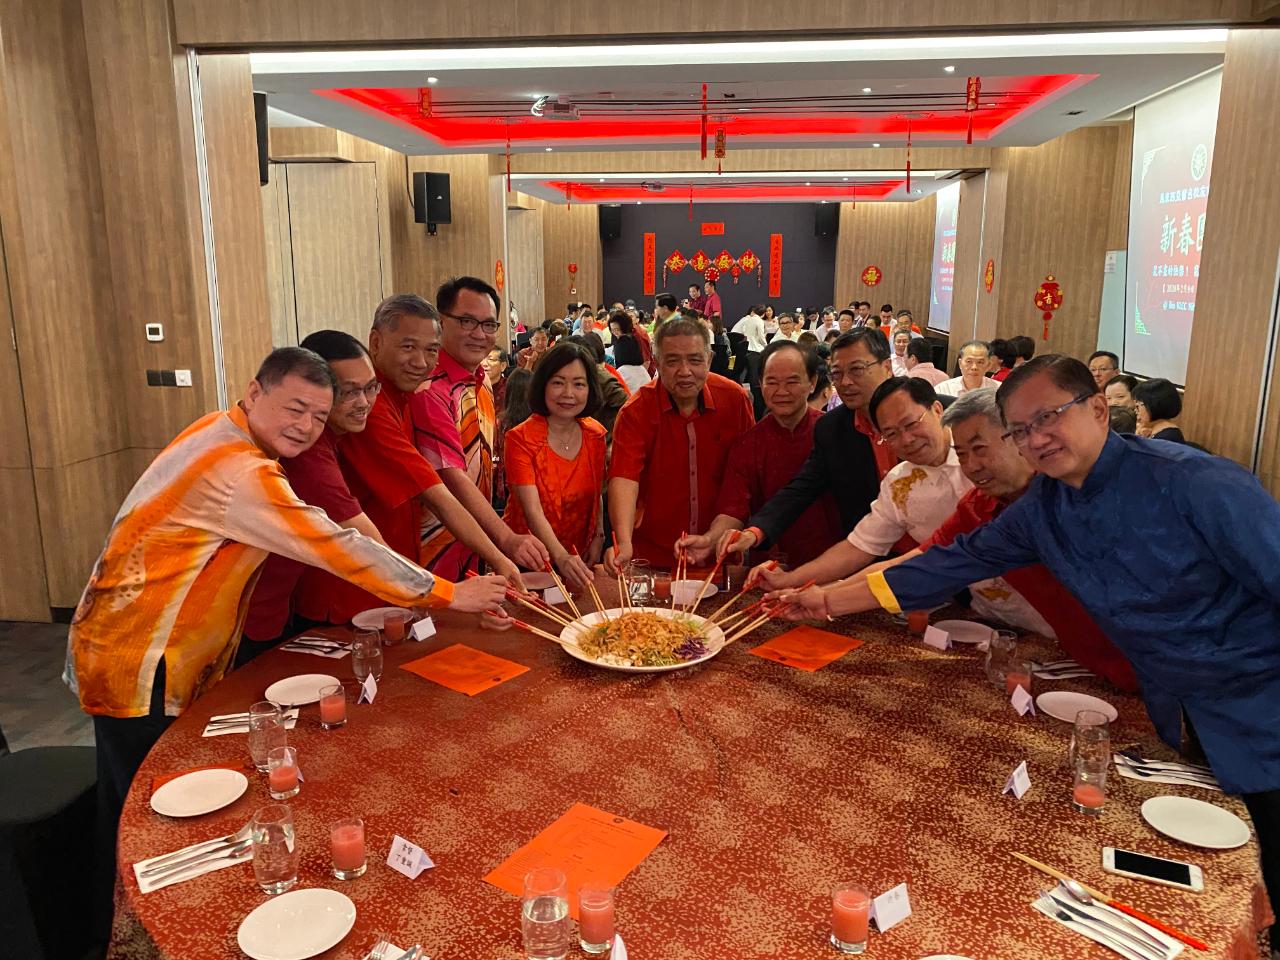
767, 456
384, 470
670, 445
711, 302
1000, 475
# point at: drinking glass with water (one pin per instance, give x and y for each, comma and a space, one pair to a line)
266, 732
275, 848
544, 914
366, 654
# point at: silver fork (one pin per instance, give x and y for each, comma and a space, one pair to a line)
232, 851
197, 850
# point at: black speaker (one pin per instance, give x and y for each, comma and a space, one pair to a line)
610, 221
826, 219
260, 122
431, 202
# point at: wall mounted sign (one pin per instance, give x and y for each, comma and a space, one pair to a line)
649, 266
872, 275
775, 264
713, 229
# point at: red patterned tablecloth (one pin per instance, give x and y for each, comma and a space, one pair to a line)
773, 783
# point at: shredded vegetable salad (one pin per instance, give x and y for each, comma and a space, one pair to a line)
643, 640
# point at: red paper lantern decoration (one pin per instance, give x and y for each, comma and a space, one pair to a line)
872, 275
734, 271
573, 288
711, 273
1048, 298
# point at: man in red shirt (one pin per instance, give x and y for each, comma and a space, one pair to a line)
384, 470
1000, 475
670, 445
768, 455
711, 302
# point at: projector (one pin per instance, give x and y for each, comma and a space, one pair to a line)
556, 110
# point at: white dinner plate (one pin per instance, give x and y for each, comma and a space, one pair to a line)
966, 631
372, 619
296, 925
300, 690
1065, 704
714, 640
683, 591
201, 791
1196, 822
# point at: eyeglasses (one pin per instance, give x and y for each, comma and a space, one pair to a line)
1020, 435
852, 372
470, 323
893, 433
370, 391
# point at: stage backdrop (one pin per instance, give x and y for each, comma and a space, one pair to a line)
808, 261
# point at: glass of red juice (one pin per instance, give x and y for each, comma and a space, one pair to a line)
850, 917
346, 846
595, 918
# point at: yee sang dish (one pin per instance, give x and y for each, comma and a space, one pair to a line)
643, 640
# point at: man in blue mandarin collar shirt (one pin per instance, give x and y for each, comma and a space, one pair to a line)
1175, 554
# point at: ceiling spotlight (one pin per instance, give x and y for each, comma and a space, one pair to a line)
866, 89
808, 184
948, 69
432, 79
638, 202
822, 201
875, 144
844, 178
602, 179
548, 149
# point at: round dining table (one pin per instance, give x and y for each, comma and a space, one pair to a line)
773, 784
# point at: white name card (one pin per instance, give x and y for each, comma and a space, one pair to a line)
407, 858
619, 948
1022, 701
368, 690
424, 629
1019, 781
553, 595
938, 639
891, 908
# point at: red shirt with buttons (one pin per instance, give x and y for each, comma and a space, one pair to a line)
678, 461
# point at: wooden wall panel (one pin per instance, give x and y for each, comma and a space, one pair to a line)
994, 202
1239, 263
1118, 218
279, 252
241, 23
897, 238
526, 263
462, 247
231, 145
1057, 209
333, 230
969, 263
571, 235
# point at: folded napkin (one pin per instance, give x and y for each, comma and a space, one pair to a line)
291, 720
160, 781
316, 651
147, 884
1104, 936
386, 950
1165, 776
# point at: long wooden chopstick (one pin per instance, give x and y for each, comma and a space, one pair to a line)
595, 594
564, 591
546, 610
542, 633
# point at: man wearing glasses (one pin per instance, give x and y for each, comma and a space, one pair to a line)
846, 461
1173, 552
454, 423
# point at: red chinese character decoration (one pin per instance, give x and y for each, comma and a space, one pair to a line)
499, 276
649, 244
699, 261
724, 260
675, 262
989, 275
872, 275
775, 264
972, 90
573, 276
1048, 298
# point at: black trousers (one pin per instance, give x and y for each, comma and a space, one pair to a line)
122, 746
1264, 809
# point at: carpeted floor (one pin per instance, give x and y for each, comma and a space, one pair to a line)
36, 708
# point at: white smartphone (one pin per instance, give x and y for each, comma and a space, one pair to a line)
1141, 866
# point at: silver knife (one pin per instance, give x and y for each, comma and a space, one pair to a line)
1115, 930
233, 851
1111, 943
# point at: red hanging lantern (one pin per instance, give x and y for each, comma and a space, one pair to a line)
573, 273
720, 148
1048, 298
908, 154
711, 273
734, 271
972, 90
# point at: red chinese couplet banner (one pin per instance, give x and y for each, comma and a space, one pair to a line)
775, 264
649, 268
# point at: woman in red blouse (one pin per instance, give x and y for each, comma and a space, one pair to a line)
555, 463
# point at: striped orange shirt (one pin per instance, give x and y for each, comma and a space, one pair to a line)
181, 559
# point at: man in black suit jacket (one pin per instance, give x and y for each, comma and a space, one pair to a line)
846, 460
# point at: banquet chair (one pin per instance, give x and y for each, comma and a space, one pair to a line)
47, 868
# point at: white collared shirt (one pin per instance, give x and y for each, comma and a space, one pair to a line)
914, 500
751, 327
955, 387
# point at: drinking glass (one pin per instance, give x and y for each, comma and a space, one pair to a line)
917, 621
395, 627
1089, 791
282, 772
266, 730
366, 655
850, 917
1001, 649
346, 845
662, 587
544, 914
333, 706
1090, 736
640, 582
275, 848
1017, 675
595, 918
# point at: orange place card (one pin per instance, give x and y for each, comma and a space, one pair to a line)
587, 844
161, 780
465, 669
806, 648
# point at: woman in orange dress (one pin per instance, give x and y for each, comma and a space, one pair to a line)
555, 463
